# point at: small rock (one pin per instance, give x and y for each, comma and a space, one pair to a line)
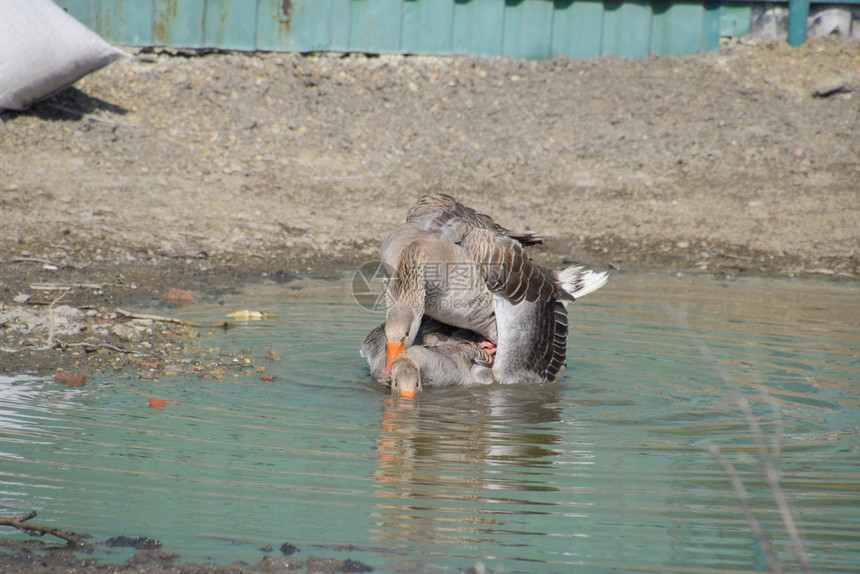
317, 564
126, 333
139, 542
68, 312
282, 276
828, 86
288, 549
350, 565
158, 558
21, 298
273, 565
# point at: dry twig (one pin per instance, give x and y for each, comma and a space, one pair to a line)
99, 346
64, 287
770, 471
157, 318
51, 342
35, 530
743, 500
33, 260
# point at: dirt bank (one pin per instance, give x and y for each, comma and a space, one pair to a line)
205, 171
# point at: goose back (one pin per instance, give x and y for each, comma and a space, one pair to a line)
441, 211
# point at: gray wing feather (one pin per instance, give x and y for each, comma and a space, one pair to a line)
508, 271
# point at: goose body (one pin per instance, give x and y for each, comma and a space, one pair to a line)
440, 366
443, 358
373, 347
532, 345
436, 277
461, 268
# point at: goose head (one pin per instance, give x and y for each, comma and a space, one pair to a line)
402, 322
405, 377
404, 295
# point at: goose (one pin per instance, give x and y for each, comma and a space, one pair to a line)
440, 366
430, 332
461, 268
445, 357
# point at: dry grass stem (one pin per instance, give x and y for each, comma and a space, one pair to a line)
35, 530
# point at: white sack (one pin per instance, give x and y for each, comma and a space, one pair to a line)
43, 49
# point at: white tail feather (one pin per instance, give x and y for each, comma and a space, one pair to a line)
580, 281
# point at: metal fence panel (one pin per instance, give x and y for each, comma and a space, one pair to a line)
534, 29
477, 27
178, 22
626, 29
578, 30
527, 31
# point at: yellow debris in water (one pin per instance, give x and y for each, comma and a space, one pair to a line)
248, 315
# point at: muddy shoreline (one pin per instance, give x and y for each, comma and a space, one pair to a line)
149, 556
208, 172
175, 170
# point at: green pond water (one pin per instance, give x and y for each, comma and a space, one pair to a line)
606, 471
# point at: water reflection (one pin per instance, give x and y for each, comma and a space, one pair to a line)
470, 454
604, 471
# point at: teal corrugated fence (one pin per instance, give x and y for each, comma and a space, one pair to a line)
532, 29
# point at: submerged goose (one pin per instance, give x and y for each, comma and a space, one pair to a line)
440, 366
442, 358
461, 268
430, 332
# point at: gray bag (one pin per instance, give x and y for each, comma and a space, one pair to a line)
43, 49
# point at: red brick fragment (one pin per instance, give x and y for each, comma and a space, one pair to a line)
178, 295
70, 379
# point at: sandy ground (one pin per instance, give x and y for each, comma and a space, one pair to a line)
205, 172
175, 170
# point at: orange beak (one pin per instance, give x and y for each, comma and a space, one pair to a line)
391, 352
407, 394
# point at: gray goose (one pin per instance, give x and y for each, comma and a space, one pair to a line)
440, 366
442, 358
460, 267
430, 332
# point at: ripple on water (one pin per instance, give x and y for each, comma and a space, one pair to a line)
607, 470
